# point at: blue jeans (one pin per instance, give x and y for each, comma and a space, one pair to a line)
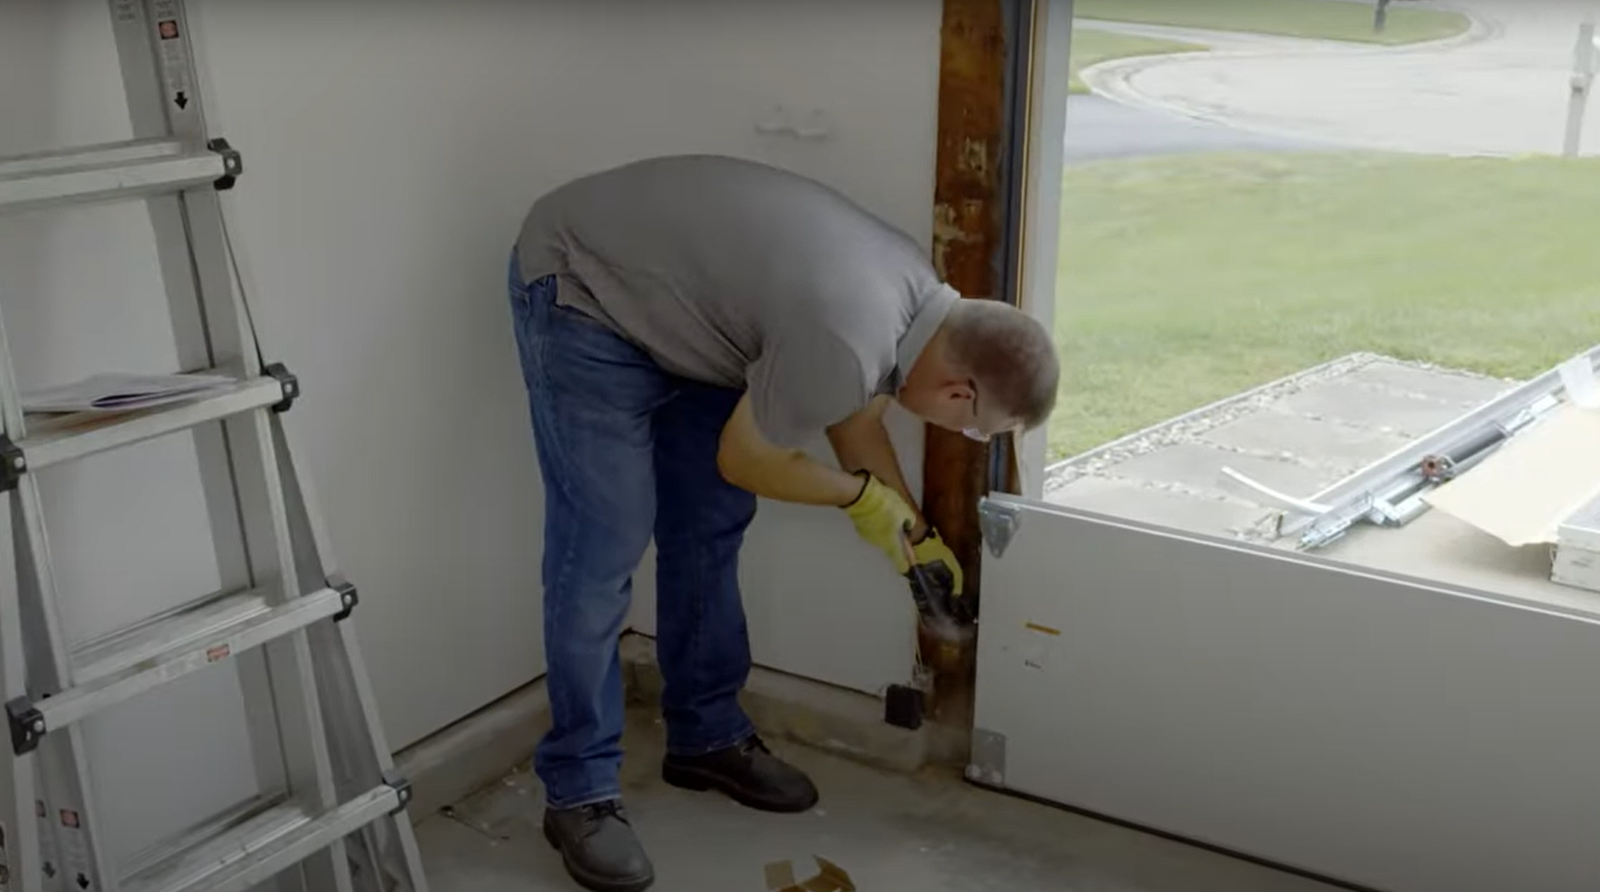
627, 451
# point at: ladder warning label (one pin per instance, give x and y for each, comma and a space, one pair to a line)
76, 854
48, 855
172, 52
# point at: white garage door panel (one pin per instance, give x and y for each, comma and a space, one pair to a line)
1381, 732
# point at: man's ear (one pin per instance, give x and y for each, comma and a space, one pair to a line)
959, 391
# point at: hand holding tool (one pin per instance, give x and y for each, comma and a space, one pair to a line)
881, 517
933, 554
936, 583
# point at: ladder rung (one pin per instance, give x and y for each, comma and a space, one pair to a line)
110, 170
244, 855
122, 667
68, 437
193, 836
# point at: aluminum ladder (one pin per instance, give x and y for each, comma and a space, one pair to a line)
331, 813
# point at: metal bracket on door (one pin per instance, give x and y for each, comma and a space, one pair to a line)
998, 523
988, 763
1390, 492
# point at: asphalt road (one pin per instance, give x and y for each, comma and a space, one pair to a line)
1503, 89
1099, 128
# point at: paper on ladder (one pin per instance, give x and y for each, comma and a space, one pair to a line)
115, 392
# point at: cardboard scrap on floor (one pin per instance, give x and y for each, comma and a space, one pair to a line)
1531, 485
830, 877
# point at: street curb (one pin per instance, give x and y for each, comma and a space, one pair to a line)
1113, 80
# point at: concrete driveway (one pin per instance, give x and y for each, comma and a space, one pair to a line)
1501, 89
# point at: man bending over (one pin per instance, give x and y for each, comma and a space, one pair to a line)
686, 326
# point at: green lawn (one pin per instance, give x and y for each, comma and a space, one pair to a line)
1188, 279
1091, 47
1325, 19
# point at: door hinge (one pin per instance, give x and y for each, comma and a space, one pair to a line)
998, 523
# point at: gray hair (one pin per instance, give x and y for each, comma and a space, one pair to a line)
1009, 355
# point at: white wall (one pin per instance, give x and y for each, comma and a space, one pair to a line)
389, 157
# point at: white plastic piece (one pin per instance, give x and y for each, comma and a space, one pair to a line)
1240, 485
1577, 376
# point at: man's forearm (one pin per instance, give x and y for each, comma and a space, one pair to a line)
785, 475
796, 477
862, 444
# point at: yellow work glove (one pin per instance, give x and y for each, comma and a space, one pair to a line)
932, 551
881, 518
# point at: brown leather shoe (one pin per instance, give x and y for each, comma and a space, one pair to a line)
747, 772
599, 848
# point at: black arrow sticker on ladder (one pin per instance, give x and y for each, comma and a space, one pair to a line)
182, 99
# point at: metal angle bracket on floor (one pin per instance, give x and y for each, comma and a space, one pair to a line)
1391, 491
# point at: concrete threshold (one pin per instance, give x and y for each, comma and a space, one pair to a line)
832, 719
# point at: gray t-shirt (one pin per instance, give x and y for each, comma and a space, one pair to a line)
741, 275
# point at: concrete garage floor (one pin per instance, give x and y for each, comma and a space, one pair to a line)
927, 832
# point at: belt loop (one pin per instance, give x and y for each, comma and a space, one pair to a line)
546, 288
